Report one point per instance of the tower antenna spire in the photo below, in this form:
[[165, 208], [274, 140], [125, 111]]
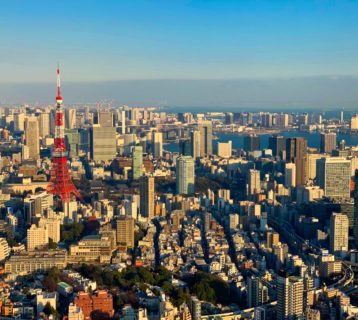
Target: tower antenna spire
[[59, 96]]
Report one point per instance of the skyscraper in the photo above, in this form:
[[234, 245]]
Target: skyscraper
[[289, 297], [251, 143], [185, 147], [105, 118], [225, 149], [253, 182], [19, 121], [122, 114], [257, 293], [137, 162], [44, 124], [195, 143], [70, 118], [185, 175], [290, 175], [157, 144], [125, 231], [32, 137], [266, 120], [328, 142], [296, 152], [339, 233], [334, 176], [206, 138], [37, 237], [147, 189], [278, 146], [103, 143]]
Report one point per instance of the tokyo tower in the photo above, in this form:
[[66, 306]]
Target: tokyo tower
[[60, 183]]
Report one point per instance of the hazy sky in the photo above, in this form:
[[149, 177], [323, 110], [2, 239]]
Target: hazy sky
[[169, 39]]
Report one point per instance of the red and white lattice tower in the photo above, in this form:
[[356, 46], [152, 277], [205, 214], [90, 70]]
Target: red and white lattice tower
[[60, 183]]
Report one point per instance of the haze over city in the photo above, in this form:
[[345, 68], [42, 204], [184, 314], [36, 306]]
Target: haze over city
[[280, 54]]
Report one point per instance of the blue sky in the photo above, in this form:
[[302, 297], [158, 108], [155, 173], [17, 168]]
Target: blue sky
[[169, 39]]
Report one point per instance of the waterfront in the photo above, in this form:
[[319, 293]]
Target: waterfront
[[313, 139]]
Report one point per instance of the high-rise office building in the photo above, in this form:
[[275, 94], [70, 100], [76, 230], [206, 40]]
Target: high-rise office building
[[125, 231], [281, 120], [257, 293], [272, 239], [44, 124], [52, 224], [266, 120], [122, 114], [278, 146], [334, 176], [157, 144], [137, 162], [185, 175], [225, 149], [296, 152], [311, 166], [32, 137], [289, 297], [37, 237], [105, 118], [147, 189], [206, 138], [70, 118], [341, 116], [19, 121], [354, 122], [195, 143], [290, 175], [253, 182], [103, 143], [339, 233], [251, 143], [328, 142], [185, 147], [229, 118]]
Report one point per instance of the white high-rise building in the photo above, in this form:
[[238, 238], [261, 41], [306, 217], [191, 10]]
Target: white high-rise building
[[334, 176], [289, 297], [19, 121], [157, 144], [339, 231], [70, 118], [185, 175], [44, 124], [195, 143], [290, 175], [52, 225], [253, 182], [225, 149], [37, 237], [32, 137], [122, 114], [4, 249]]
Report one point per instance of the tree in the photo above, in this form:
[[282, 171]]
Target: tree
[[48, 309], [52, 245]]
